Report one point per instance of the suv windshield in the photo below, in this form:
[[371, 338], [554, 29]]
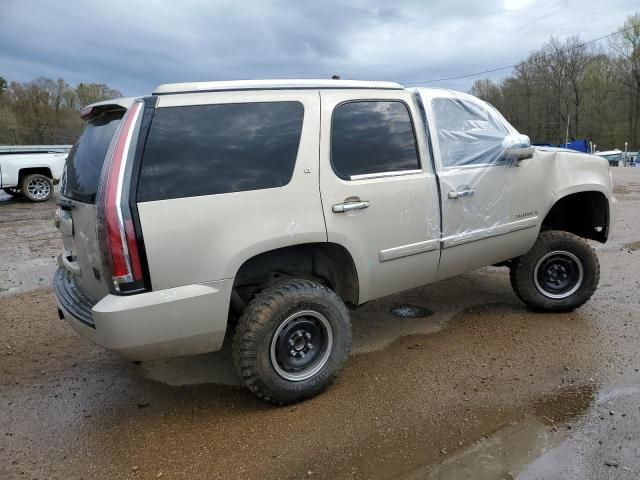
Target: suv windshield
[[84, 163]]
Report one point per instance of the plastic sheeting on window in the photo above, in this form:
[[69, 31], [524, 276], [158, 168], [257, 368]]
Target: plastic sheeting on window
[[467, 133], [475, 150]]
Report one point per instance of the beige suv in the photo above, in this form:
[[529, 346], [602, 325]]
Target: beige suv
[[264, 208]]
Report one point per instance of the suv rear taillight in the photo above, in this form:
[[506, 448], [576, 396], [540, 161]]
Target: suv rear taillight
[[116, 234]]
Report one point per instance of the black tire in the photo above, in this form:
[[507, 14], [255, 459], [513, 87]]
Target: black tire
[[37, 187], [270, 322], [14, 192], [559, 273]]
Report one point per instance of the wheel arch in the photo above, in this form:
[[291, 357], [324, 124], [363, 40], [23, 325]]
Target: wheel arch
[[582, 212], [330, 263], [23, 172]]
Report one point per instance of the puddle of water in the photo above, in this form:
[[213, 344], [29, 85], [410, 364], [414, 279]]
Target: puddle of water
[[209, 368], [500, 456], [564, 405], [609, 395], [410, 311], [504, 454]]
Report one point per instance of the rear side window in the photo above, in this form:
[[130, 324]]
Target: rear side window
[[372, 137], [212, 149], [84, 163]]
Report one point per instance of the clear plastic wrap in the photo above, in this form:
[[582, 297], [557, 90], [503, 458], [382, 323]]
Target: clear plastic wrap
[[475, 151], [467, 134]]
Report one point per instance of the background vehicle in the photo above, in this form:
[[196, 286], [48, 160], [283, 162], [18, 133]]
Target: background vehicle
[[614, 157], [32, 170], [271, 206], [632, 159]]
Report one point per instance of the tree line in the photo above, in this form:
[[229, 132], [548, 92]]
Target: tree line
[[46, 111], [595, 89]]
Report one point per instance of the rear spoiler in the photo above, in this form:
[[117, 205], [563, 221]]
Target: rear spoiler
[[96, 110]]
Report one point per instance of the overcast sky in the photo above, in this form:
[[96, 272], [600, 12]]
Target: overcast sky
[[135, 45]]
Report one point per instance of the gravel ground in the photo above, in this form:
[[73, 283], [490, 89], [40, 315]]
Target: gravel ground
[[482, 388]]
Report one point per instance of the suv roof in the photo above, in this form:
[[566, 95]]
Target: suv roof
[[272, 85]]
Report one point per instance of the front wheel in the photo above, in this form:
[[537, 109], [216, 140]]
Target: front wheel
[[291, 341], [559, 273]]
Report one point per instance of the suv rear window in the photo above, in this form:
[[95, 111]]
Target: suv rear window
[[221, 148], [84, 163]]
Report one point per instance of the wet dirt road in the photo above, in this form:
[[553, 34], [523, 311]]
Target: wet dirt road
[[480, 389]]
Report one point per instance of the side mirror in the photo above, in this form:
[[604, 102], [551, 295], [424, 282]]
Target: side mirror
[[517, 147]]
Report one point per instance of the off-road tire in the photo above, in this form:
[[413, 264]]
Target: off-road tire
[[46, 185], [256, 329], [523, 272], [14, 192]]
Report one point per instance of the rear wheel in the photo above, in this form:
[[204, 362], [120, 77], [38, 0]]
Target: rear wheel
[[37, 187], [559, 273], [14, 192], [291, 341]]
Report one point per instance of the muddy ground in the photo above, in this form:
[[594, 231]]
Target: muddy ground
[[481, 389]]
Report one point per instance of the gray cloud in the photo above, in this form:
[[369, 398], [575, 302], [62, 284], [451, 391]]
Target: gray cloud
[[134, 46]]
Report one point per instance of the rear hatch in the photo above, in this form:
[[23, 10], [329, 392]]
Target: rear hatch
[[78, 192]]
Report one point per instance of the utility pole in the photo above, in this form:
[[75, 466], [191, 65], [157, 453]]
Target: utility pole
[[566, 139], [626, 155]]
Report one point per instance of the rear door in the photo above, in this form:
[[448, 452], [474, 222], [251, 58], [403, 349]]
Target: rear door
[[78, 191], [379, 194]]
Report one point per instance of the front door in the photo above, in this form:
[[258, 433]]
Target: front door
[[378, 191], [489, 206]]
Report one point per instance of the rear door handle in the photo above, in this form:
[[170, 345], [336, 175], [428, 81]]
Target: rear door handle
[[348, 206], [465, 192]]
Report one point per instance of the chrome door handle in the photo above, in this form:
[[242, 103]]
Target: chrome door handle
[[467, 192], [348, 206]]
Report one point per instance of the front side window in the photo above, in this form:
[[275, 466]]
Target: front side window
[[222, 148], [468, 134], [372, 136]]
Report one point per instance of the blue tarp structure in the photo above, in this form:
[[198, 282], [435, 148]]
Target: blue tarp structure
[[578, 145]]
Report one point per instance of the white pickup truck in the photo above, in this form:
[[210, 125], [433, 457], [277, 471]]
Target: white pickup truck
[[32, 170]]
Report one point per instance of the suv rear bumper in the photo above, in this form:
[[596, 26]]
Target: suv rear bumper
[[71, 298], [179, 321]]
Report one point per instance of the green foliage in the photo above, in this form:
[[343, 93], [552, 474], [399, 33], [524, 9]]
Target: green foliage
[[46, 111], [597, 90]]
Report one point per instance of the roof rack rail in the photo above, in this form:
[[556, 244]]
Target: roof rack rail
[[293, 84]]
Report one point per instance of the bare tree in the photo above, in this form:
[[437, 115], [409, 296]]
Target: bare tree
[[46, 110], [597, 89], [626, 46], [487, 90]]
